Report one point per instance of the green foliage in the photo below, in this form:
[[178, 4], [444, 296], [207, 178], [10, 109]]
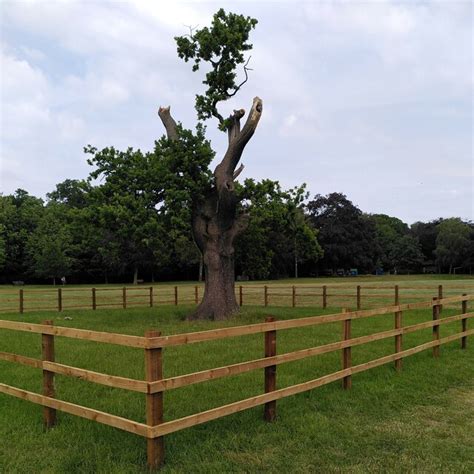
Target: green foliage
[[20, 214], [278, 231], [346, 235], [143, 208], [49, 247], [398, 250], [453, 243], [405, 254], [221, 46]]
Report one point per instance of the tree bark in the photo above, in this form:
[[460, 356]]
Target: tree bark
[[135, 276], [216, 221]]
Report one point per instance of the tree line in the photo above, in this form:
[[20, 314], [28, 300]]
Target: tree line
[[121, 230]]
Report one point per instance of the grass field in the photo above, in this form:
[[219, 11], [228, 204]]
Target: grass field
[[375, 291], [419, 420]]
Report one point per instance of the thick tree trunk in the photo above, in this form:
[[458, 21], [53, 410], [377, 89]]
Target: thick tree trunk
[[216, 221], [201, 268], [219, 300]]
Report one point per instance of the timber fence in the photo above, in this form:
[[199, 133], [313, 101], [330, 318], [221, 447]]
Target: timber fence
[[155, 384], [324, 296]]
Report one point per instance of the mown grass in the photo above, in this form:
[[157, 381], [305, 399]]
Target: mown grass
[[419, 420], [376, 291]]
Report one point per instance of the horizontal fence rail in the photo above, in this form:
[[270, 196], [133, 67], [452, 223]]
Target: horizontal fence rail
[[155, 384], [324, 296]]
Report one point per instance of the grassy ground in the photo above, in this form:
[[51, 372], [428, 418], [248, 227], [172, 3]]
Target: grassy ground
[[376, 291], [419, 420]]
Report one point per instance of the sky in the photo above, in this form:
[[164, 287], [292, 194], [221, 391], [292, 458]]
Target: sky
[[373, 99]]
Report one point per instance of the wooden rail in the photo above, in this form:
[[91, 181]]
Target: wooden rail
[[333, 295], [155, 384]]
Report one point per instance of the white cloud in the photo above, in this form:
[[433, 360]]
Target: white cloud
[[356, 93]]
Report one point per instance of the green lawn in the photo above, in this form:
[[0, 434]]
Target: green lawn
[[376, 291], [419, 420]]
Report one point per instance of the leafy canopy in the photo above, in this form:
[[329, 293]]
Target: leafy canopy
[[222, 46]]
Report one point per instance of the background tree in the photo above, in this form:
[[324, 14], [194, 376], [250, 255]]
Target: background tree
[[277, 233], [20, 214], [453, 244], [426, 234], [49, 247], [347, 236]]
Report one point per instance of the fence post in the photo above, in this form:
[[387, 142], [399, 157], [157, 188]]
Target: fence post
[[176, 296], [398, 340], [60, 300], [358, 298], [440, 296], [124, 297], [397, 296], [436, 311], [325, 297], [154, 403], [196, 294], [265, 295], [293, 296], [347, 351], [21, 301], [464, 323], [47, 352], [94, 299], [241, 296], [270, 371], [151, 297]]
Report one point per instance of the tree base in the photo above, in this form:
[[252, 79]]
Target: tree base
[[213, 311]]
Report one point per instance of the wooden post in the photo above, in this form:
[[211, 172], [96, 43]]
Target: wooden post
[[241, 296], [440, 296], [60, 300], [124, 297], [397, 295], [436, 311], [293, 297], [270, 372], [176, 296], [154, 403], [325, 297], [358, 298], [346, 352], [21, 301], [398, 340], [151, 297], [94, 299], [196, 294], [464, 324], [47, 350], [265, 295]]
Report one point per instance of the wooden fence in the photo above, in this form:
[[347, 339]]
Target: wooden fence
[[154, 385], [324, 296]]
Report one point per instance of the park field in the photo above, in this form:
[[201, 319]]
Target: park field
[[374, 291], [418, 420]]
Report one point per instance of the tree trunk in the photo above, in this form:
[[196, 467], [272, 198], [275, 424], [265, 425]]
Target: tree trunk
[[216, 221], [219, 299], [135, 276], [201, 268]]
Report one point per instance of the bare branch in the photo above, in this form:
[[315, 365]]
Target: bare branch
[[246, 69], [168, 122], [238, 171], [191, 30]]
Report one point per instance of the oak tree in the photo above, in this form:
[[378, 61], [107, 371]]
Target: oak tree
[[216, 220]]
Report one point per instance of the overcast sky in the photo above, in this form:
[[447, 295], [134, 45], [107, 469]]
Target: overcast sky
[[373, 99]]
